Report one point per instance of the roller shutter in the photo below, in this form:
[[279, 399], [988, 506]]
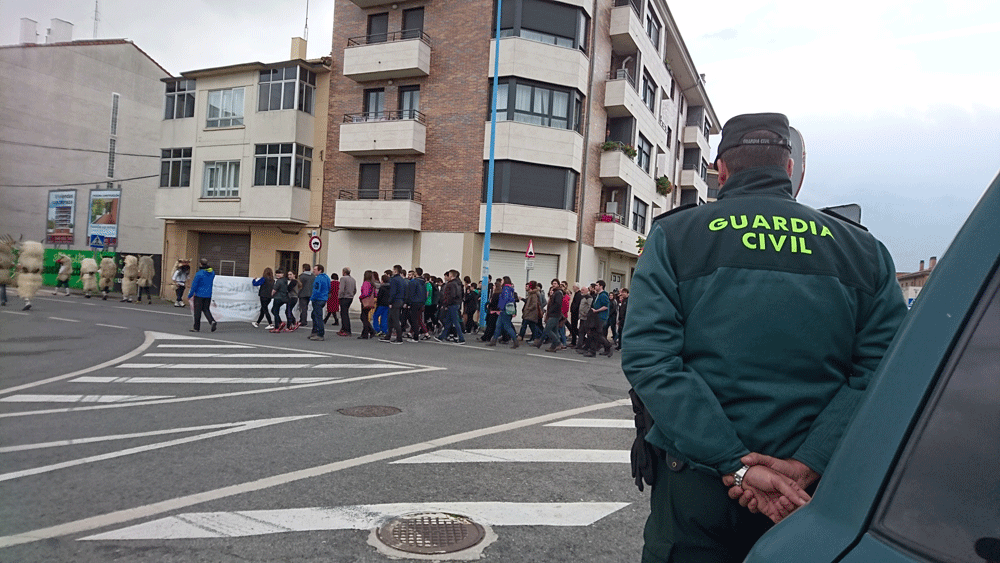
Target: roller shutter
[[508, 263], [229, 255]]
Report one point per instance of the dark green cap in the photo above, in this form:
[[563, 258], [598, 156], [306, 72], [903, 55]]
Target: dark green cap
[[737, 127]]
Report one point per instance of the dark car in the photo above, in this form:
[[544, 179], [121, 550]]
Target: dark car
[[917, 475]]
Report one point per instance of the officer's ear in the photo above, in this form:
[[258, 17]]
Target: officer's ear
[[789, 166], [723, 170]]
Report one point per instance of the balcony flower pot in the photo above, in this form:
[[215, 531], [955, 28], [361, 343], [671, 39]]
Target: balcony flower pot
[[606, 218], [629, 150], [663, 185]]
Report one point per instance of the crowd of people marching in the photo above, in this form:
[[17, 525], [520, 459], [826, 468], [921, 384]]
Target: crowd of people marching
[[402, 305]]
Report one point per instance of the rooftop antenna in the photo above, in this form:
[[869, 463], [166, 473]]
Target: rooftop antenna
[[97, 16], [305, 32]]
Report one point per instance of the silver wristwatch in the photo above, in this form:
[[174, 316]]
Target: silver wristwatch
[[738, 476]]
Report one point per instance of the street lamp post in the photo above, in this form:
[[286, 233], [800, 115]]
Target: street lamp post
[[483, 293]]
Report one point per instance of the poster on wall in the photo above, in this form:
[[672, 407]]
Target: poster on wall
[[60, 220], [104, 208]]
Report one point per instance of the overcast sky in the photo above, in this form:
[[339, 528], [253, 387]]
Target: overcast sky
[[898, 100]]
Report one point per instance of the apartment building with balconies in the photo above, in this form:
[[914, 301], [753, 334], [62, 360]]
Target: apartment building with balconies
[[241, 148], [600, 113]]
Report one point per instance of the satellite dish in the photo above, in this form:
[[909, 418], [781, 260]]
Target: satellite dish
[[798, 160]]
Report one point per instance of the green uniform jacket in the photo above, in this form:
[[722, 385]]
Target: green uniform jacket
[[755, 324]]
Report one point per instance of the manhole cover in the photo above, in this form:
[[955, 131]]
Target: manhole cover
[[431, 533], [369, 411]]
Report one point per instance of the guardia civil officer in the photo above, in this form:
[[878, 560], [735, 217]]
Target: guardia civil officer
[[754, 328]]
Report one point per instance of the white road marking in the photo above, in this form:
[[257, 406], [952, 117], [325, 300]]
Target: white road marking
[[253, 366], [170, 505], [209, 380], [81, 398], [15, 313], [557, 357], [213, 346], [595, 423], [362, 517], [223, 355], [521, 455], [75, 441], [64, 320], [248, 425], [144, 310], [112, 326]]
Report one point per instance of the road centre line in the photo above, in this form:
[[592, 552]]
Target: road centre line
[[213, 346], [15, 313], [247, 523], [64, 320], [594, 423], [75, 441], [199, 380], [521, 456], [134, 308], [223, 355], [248, 425], [555, 357], [161, 507], [113, 326], [81, 398]]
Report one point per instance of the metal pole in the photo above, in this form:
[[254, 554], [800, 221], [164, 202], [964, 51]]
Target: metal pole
[[484, 294]]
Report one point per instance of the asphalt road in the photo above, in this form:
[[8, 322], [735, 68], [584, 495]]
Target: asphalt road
[[125, 437]]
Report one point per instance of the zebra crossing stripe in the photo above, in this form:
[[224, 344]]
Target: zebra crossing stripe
[[208, 380], [237, 355], [361, 517], [521, 456], [255, 366], [28, 398], [594, 423]]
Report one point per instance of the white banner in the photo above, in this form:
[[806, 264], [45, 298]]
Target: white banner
[[234, 299]]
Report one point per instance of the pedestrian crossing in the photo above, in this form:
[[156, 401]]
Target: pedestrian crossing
[[178, 368], [490, 509]]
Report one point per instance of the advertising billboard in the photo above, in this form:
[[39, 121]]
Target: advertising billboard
[[104, 208], [60, 221]]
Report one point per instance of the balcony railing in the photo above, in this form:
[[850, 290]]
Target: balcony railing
[[622, 74], [702, 170], [634, 3], [397, 115], [612, 218], [404, 35], [376, 194]]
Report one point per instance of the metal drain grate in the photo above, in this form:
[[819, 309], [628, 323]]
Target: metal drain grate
[[431, 533], [369, 411]]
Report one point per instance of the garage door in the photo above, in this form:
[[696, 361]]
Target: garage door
[[229, 255], [508, 263]]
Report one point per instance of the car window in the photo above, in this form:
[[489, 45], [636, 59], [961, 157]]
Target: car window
[[944, 500]]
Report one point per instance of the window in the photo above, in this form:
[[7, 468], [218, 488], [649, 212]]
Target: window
[[413, 23], [670, 136], [114, 113], [222, 179], [225, 108], [303, 166], [111, 158], [374, 104], [538, 104], [288, 261], [175, 168], [532, 184], [378, 28], [943, 499], [639, 209], [281, 88], [368, 181], [404, 181], [180, 99], [649, 91], [273, 165], [409, 102], [653, 26], [544, 21], [645, 151]]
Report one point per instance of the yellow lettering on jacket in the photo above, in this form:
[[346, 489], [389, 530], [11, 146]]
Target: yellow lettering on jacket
[[733, 222], [718, 224], [780, 224], [759, 222], [749, 242], [755, 239], [799, 226]]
